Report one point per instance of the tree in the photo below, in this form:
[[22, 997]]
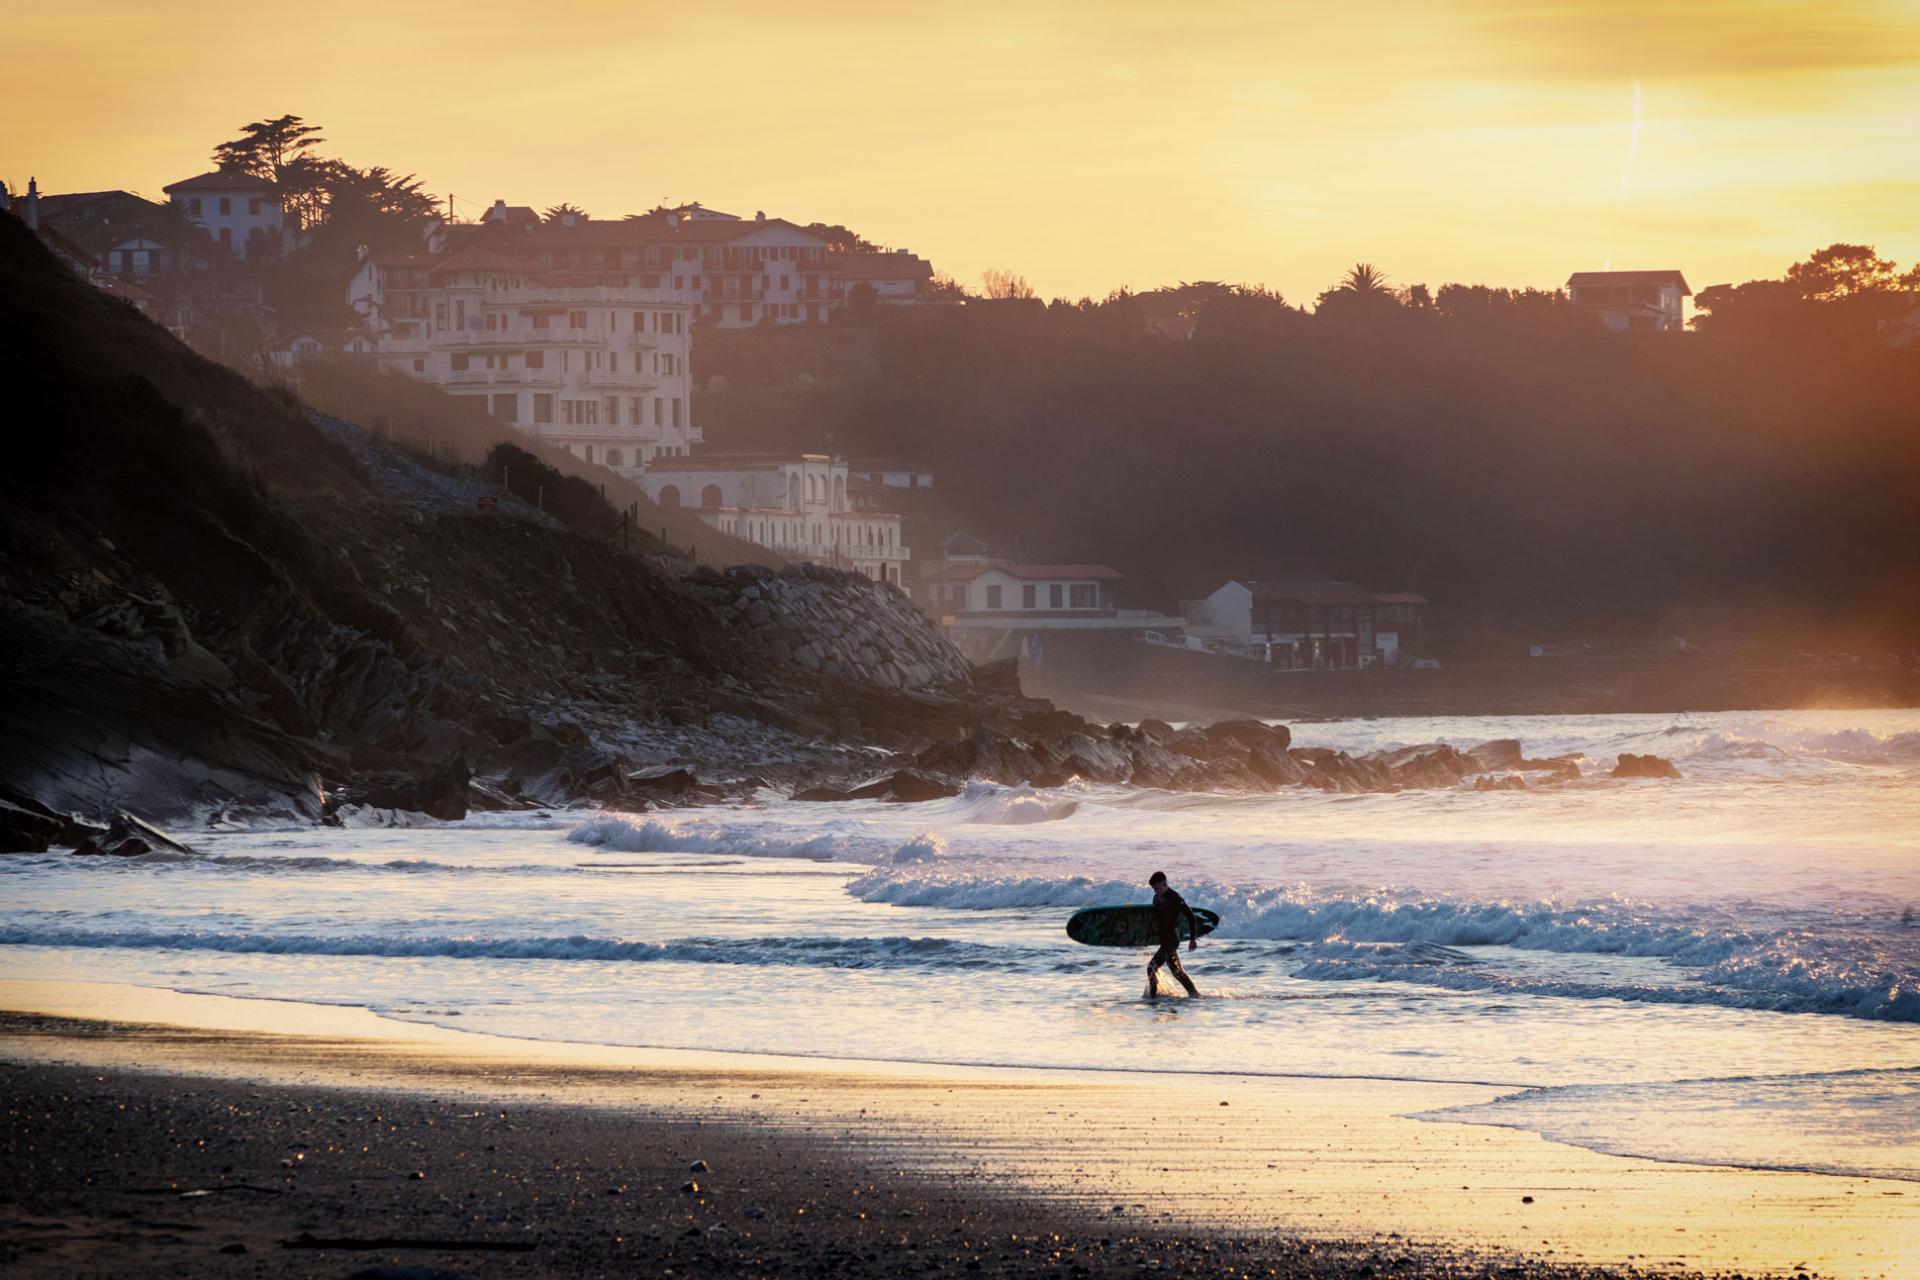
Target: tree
[[266, 148], [841, 240], [1843, 271], [998, 283], [560, 212], [944, 288]]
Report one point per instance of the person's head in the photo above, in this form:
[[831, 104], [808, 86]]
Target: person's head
[[1157, 881]]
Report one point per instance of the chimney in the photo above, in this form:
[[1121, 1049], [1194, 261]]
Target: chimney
[[33, 204], [759, 215]]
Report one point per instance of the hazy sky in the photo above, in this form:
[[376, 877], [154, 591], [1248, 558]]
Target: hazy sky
[[1086, 146]]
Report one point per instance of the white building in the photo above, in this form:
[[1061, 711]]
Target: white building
[[997, 608], [240, 212], [892, 473], [795, 504], [597, 364], [897, 278], [1633, 301]]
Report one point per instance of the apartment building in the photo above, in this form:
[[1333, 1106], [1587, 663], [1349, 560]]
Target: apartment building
[[595, 362], [795, 504]]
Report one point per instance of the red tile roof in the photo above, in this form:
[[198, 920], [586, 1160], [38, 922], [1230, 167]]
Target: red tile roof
[[1583, 279], [1312, 592], [881, 266], [219, 180]]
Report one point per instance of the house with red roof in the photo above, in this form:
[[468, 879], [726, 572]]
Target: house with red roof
[[241, 213], [1633, 301]]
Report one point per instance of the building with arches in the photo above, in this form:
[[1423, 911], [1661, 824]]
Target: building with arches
[[597, 363], [795, 504]]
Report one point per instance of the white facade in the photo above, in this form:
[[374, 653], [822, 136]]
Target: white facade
[[793, 504], [241, 213], [1633, 301], [601, 370], [1225, 616], [1031, 594]]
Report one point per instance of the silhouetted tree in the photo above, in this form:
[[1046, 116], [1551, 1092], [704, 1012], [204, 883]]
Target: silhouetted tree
[[559, 211], [998, 283]]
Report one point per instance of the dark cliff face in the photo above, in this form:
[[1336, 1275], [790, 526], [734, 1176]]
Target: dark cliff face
[[211, 596]]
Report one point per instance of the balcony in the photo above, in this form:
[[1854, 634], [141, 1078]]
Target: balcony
[[612, 435], [605, 378]]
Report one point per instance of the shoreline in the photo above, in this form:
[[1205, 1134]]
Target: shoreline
[[1315, 1172]]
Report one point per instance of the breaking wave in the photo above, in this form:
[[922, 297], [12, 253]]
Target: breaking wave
[[1857, 966]]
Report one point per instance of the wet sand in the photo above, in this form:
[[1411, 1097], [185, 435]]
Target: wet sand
[[148, 1131]]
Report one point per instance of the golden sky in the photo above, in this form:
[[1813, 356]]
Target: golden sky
[[1086, 146]]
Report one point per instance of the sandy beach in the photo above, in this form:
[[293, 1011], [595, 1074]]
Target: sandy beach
[[151, 1132]]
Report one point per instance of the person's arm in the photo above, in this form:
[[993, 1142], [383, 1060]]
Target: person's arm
[[1193, 925]]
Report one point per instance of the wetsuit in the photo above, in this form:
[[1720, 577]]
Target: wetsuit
[[1167, 909]]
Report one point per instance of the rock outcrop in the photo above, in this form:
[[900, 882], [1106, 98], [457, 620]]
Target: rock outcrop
[[1632, 766], [837, 624]]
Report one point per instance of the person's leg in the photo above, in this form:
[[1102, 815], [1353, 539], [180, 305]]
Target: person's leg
[[1160, 957], [1173, 966]]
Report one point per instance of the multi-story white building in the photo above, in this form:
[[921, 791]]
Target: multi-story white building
[[795, 504], [1633, 301], [240, 212], [596, 363]]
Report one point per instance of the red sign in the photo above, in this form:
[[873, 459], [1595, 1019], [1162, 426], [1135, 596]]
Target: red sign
[[488, 502]]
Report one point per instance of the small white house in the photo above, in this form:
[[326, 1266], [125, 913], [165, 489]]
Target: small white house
[[240, 212], [1633, 301]]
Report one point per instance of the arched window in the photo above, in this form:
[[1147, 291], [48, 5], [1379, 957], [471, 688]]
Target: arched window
[[670, 497], [614, 458], [793, 490], [710, 496]]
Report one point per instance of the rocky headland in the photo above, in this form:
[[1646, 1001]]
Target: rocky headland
[[218, 605]]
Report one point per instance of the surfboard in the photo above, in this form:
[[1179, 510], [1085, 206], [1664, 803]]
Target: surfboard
[[1130, 926]]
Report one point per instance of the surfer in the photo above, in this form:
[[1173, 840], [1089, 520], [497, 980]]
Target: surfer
[[1167, 908]]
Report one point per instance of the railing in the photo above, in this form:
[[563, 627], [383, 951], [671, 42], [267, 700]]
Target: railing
[[616, 435]]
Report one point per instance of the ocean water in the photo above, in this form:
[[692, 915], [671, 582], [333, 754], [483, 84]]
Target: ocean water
[[1723, 969]]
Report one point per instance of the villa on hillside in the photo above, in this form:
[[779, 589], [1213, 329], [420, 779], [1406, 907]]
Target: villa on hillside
[[239, 211], [797, 504], [1633, 301], [597, 363]]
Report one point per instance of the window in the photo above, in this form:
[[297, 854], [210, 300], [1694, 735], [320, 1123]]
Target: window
[[505, 408], [993, 597], [536, 359], [459, 362], [226, 205], [542, 407], [576, 319], [459, 313], [193, 206], [613, 411], [1083, 596], [676, 413], [589, 453], [614, 458], [1029, 597], [253, 206], [659, 415], [634, 409], [419, 366], [540, 320], [1056, 596]]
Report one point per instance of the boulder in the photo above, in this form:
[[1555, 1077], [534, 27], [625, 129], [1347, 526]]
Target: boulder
[[672, 786], [1247, 734], [905, 786], [1275, 767], [1494, 756], [1432, 765], [1505, 782], [1632, 766], [128, 836], [1191, 743], [1154, 730], [24, 831], [439, 793]]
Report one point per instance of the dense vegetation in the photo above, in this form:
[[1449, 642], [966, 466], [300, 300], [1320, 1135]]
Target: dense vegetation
[[1497, 450]]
